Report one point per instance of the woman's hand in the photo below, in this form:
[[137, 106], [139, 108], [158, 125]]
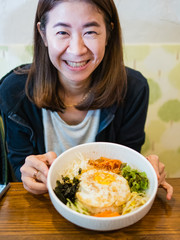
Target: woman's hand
[[34, 172], [161, 175]]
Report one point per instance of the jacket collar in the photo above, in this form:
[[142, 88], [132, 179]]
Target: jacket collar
[[107, 115]]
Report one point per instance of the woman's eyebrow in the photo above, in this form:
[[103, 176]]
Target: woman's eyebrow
[[91, 24], [61, 24], [86, 25]]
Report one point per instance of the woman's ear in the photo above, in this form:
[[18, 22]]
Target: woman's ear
[[42, 33]]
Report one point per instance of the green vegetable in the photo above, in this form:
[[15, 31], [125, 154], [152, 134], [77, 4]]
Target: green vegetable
[[66, 189], [138, 181], [77, 206]]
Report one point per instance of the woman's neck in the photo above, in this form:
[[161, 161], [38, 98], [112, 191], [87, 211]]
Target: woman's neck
[[73, 94]]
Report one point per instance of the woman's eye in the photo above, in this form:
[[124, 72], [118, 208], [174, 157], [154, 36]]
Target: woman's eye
[[62, 33], [91, 33]]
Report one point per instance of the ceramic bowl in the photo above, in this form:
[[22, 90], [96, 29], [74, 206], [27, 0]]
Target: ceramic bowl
[[94, 151]]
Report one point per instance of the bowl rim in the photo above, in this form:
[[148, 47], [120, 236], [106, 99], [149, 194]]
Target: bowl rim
[[127, 215]]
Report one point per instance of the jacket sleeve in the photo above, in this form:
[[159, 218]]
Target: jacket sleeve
[[18, 144], [22, 121]]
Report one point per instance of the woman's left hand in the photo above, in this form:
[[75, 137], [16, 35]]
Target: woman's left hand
[[159, 167]]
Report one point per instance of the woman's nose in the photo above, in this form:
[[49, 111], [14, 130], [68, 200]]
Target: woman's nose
[[77, 46]]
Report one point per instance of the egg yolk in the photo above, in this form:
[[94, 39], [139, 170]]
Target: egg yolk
[[103, 178]]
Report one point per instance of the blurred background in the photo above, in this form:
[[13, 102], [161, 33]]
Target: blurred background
[[151, 37]]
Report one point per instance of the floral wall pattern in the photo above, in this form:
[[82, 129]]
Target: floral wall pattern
[[160, 64]]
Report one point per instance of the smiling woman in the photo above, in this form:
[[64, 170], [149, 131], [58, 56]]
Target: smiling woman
[[77, 90], [75, 48]]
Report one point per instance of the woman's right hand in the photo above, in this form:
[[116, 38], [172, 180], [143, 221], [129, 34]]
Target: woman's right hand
[[35, 170]]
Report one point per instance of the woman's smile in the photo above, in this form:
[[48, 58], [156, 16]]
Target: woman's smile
[[77, 65]]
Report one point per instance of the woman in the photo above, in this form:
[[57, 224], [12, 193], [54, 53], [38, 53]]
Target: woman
[[76, 90]]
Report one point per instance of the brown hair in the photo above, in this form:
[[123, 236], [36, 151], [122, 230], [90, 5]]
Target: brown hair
[[108, 84]]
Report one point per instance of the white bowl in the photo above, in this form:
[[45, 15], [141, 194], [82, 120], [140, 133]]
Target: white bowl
[[94, 151]]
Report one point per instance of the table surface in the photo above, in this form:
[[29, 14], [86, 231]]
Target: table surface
[[26, 216]]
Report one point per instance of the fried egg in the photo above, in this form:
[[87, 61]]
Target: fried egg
[[100, 190]]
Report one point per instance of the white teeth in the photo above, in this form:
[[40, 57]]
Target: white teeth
[[76, 64]]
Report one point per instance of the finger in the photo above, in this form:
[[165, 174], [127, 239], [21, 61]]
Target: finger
[[49, 158], [161, 167], [28, 171], [33, 186], [39, 176], [36, 162], [33, 173], [154, 160], [169, 189], [162, 178]]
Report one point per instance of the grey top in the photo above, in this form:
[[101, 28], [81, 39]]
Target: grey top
[[59, 136]]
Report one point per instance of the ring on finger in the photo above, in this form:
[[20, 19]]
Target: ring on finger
[[35, 174]]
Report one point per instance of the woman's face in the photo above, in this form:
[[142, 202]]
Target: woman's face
[[76, 40]]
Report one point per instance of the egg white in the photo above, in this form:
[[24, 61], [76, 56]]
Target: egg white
[[101, 190]]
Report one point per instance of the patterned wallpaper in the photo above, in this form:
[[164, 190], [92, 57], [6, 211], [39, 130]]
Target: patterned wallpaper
[[160, 64]]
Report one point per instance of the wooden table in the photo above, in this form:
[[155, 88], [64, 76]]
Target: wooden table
[[26, 216]]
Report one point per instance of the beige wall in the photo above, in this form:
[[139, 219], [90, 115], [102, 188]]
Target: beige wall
[[143, 21]]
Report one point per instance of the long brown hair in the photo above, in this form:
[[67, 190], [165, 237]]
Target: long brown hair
[[108, 85]]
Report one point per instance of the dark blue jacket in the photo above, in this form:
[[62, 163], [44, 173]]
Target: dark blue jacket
[[122, 124]]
